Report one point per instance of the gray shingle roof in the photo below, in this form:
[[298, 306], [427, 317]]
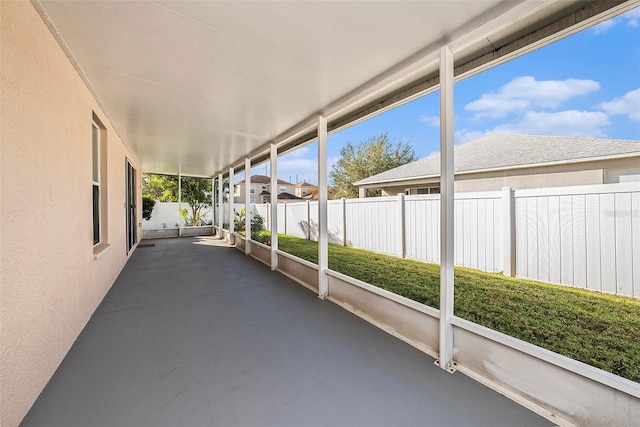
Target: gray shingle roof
[[503, 151]]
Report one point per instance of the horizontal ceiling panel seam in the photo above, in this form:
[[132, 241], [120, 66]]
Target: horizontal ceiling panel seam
[[152, 82], [236, 38]]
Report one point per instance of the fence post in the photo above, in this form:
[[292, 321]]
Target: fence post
[[343, 203], [285, 218], [508, 234], [402, 249], [308, 219]]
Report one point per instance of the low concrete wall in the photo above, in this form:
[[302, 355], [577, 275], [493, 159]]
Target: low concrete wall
[[562, 389], [261, 252], [205, 230], [160, 233], [406, 319], [240, 242], [300, 270], [222, 233]]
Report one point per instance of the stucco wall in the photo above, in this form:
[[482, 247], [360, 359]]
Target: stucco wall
[[586, 173], [50, 282]]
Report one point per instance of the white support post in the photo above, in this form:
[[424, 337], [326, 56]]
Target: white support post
[[308, 220], [274, 206], [509, 235], [213, 206], [446, 210], [220, 212], [179, 205], [247, 206], [323, 235], [402, 250], [343, 204], [231, 173], [362, 193]]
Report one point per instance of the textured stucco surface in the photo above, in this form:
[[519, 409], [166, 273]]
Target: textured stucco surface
[[50, 283]]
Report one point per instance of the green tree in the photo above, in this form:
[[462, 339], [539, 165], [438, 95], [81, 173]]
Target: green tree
[[372, 156], [160, 187], [196, 192]]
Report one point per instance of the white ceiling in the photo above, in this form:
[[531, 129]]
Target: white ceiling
[[194, 87]]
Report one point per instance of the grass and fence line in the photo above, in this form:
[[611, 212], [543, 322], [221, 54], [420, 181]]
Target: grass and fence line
[[581, 236]]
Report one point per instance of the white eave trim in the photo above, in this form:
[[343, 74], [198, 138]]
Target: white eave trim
[[500, 169]]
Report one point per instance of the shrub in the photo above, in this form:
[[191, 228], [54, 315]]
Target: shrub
[[262, 236], [239, 221], [148, 203]]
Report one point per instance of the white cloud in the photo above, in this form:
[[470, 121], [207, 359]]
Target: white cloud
[[430, 120], [628, 105], [604, 26], [630, 17], [562, 123], [523, 93], [298, 153]]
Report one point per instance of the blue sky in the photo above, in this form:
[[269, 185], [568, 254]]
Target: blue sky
[[585, 85]]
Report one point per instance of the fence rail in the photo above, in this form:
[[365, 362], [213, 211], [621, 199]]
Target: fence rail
[[582, 236]]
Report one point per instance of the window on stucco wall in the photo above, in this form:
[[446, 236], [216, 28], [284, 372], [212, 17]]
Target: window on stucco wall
[[96, 182]]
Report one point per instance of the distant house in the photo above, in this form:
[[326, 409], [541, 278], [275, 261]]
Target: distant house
[[260, 189], [304, 190], [517, 161]]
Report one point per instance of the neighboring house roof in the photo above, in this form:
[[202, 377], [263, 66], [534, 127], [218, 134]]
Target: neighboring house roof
[[509, 151], [305, 184], [281, 196], [288, 196], [263, 179]]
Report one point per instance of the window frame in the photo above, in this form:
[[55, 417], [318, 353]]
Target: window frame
[[95, 184]]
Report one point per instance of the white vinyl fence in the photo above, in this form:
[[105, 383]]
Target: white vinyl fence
[[167, 215], [237, 207], [583, 236], [587, 237]]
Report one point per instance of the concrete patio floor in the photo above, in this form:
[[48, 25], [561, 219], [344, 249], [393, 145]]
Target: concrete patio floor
[[195, 333]]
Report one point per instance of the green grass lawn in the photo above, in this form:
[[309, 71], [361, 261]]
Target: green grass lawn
[[599, 329]]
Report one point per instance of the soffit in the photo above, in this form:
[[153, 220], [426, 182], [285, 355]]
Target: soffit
[[194, 87]]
